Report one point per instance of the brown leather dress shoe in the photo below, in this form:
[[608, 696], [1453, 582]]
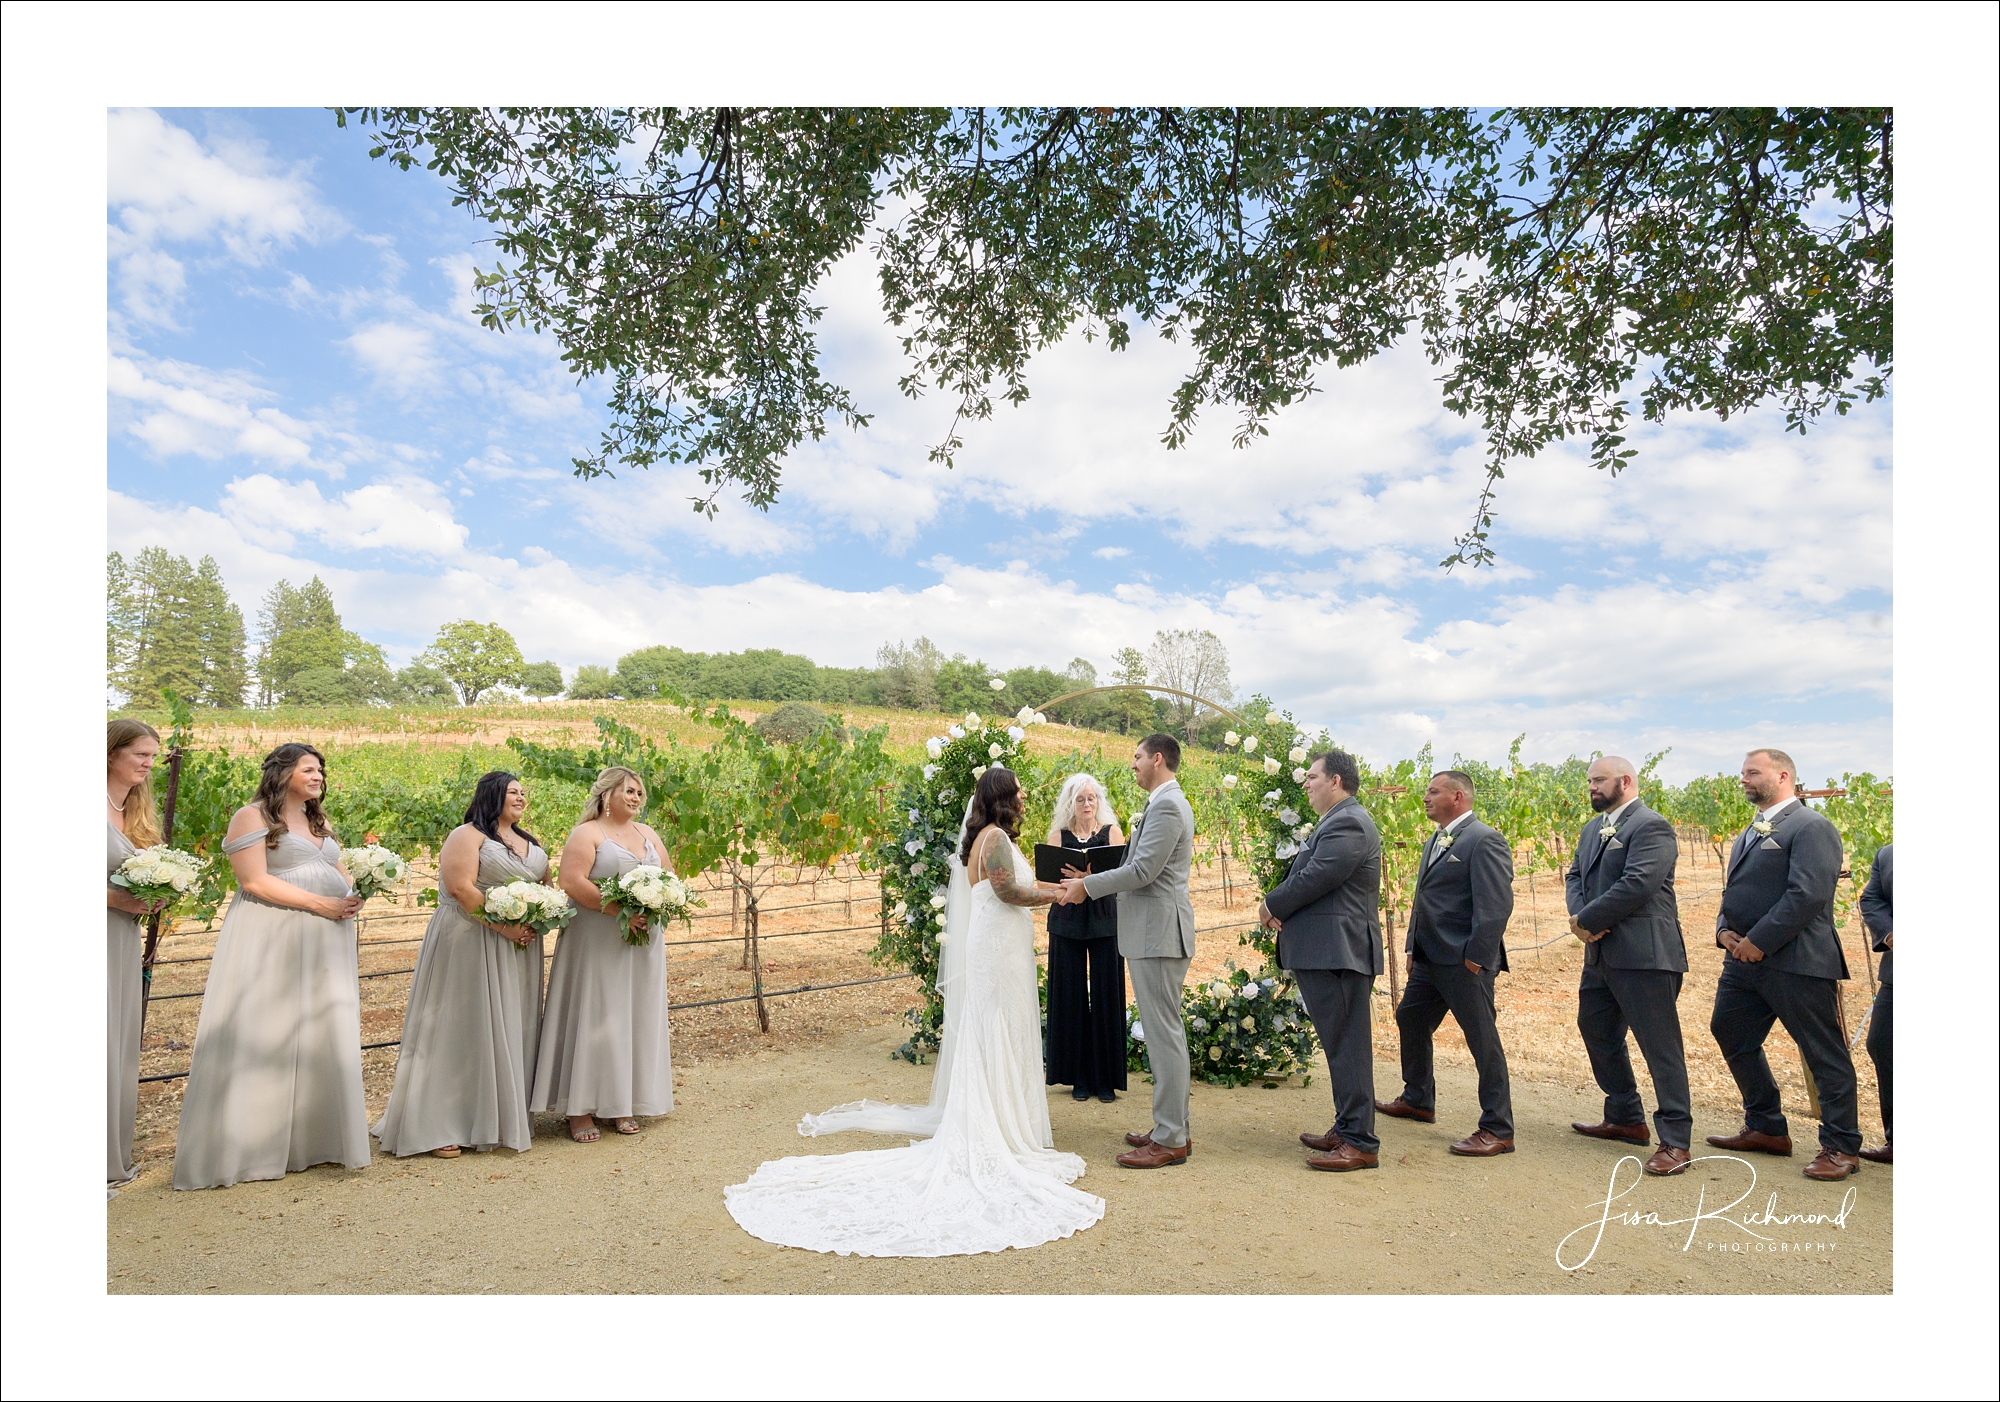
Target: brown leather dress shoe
[[1344, 1158], [1140, 1141], [1481, 1144], [1150, 1155], [1881, 1155], [1630, 1134], [1749, 1140], [1667, 1162], [1831, 1166], [1325, 1143], [1403, 1110]]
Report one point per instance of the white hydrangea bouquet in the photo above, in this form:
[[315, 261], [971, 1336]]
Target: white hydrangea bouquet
[[543, 909], [373, 869], [658, 893], [160, 875]]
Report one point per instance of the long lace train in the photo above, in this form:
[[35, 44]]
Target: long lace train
[[987, 1177]]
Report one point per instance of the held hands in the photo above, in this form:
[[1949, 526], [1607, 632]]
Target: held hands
[[1470, 967], [1268, 920], [339, 907], [131, 905], [1740, 948], [1586, 936], [1072, 891], [1889, 940], [517, 935]]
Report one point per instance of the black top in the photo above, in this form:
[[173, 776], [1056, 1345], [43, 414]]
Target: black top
[[1094, 919]]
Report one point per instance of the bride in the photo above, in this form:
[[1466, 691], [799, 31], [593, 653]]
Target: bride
[[986, 1177]]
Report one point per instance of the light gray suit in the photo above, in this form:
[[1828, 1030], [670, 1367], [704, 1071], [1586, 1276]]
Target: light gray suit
[[1156, 936]]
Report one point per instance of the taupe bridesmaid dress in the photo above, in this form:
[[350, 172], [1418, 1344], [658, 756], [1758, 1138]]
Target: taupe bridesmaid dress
[[604, 1028], [275, 1084], [124, 953], [468, 1055]]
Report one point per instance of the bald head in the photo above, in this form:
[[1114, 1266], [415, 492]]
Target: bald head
[[1613, 783]]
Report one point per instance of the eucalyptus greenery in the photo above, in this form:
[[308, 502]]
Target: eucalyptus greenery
[[1547, 258]]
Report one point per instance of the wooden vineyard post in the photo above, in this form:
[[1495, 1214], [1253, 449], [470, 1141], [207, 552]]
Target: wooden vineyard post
[[1389, 950], [153, 925], [757, 970], [736, 921]]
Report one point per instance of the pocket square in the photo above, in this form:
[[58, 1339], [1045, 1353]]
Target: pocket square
[[1769, 844], [1448, 857], [1616, 843]]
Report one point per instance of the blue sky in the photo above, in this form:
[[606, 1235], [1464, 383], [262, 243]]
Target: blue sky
[[296, 387]]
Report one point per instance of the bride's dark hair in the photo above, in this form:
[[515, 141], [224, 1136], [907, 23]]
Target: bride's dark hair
[[996, 802]]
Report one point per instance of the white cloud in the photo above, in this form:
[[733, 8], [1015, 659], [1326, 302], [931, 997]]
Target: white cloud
[[1111, 552], [164, 187], [407, 516]]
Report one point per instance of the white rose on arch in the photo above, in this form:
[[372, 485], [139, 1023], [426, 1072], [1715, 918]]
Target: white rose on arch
[[1271, 765], [1229, 781], [977, 770], [997, 683], [972, 721], [1041, 719], [1231, 738], [930, 772], [1250, 744], [957, 732], [1298, 776], [1016, 734], [994, 751], [1298, 754]]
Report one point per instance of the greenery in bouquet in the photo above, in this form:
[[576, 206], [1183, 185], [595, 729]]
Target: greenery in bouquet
[[652, 891], [915, 861], [373, 869], [160, 876], [541, 908]]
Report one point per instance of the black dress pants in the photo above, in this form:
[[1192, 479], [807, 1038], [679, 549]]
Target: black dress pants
[[1086, 1014], [1433, 991], [1608, 1002], [1881, 1051], [1748, 999]]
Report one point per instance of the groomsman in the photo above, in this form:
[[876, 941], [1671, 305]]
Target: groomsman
[[1878, 915], [1330, 939], [1785, 965], [1620, 893], [1456, 947]]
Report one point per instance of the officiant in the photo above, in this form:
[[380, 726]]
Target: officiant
[[1086, 1045]]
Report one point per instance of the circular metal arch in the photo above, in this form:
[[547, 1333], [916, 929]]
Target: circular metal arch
[[1134, 686]]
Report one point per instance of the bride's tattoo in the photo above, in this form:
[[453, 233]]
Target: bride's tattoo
[[998, 865]]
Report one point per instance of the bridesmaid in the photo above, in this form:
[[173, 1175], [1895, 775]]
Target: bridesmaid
[[604, 1033], [1086, 974], [468, 1055], [131, 746], [275, 1085]]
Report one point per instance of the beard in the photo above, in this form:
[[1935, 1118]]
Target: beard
[[1598, 803], [1761, 795]]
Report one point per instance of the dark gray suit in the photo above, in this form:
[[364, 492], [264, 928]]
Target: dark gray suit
[[1463, 900], [1332, 943], [1624, 885], [1878, 913], [1780, 897]]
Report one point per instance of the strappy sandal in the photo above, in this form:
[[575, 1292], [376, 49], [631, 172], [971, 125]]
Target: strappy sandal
[[449, 1151], [587, 1134], [625, 1124]]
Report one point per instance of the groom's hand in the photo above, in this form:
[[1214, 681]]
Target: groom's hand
[[1073, 892], [1266, 919]]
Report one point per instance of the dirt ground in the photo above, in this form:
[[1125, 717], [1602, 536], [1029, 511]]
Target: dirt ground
[[1245, 1216]]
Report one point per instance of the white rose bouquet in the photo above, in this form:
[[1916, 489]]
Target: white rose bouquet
[[649, 890], [374, 870], [159, 875], [543, 909]]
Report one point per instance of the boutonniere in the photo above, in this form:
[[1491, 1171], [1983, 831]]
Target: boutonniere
[[1445, 840], [1762, 827], [1607, 832]]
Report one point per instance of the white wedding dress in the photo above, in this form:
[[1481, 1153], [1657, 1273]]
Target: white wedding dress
[[988, 1177]]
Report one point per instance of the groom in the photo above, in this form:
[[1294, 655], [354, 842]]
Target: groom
[[1156, 936]]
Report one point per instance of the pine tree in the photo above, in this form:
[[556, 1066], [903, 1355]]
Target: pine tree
[[298, 630], [120, 631], [167, 652], [220, 621]]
